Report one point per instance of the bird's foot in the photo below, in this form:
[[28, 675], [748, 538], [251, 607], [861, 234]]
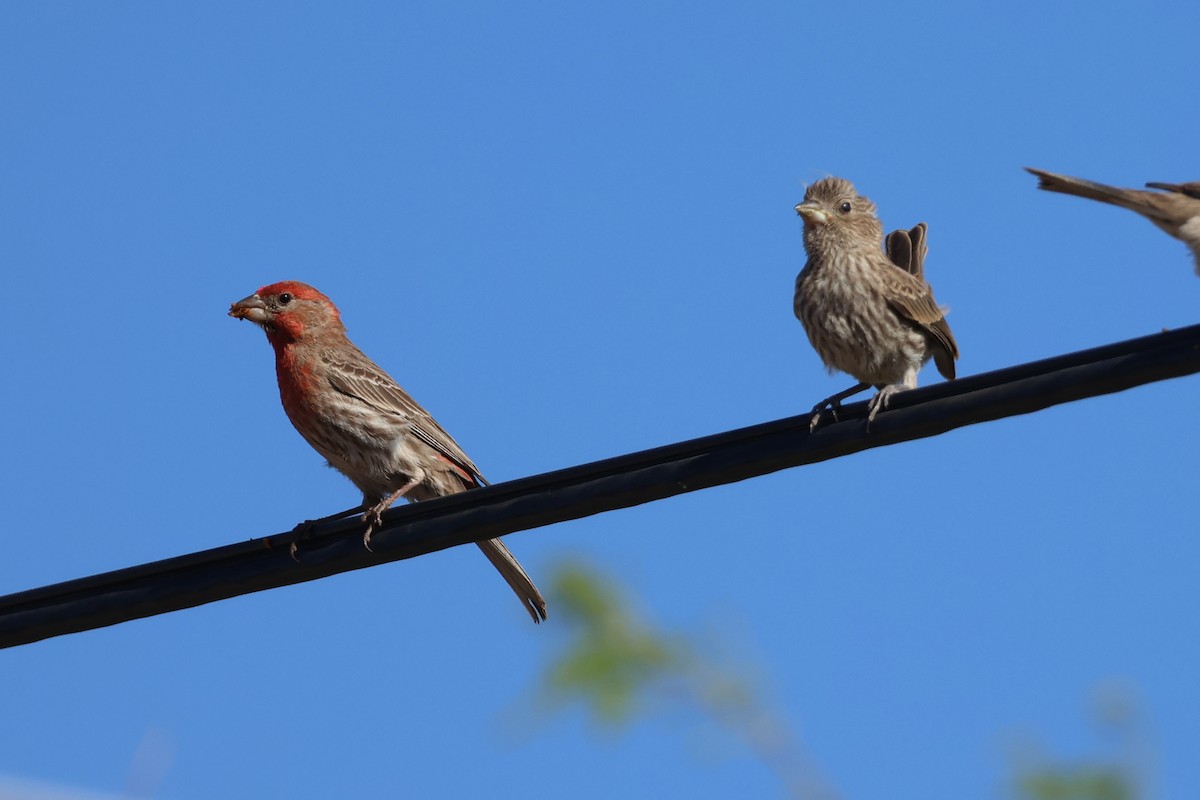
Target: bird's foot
[[880, 401], [373, 519], [833, 405], [302, 532], [304, 529]]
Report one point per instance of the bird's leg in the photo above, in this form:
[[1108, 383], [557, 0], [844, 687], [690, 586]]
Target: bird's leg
[[881, 399], [374, 517], [833, 403], [338, 515], [303, 528]]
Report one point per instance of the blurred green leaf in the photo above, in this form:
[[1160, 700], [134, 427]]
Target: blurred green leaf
[[1112, 776], [618, 666], [1082, 783], [613, 658]]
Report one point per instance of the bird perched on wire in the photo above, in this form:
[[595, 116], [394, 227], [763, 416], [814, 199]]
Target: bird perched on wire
[[1175, 209], [361, 421], [864, 313]]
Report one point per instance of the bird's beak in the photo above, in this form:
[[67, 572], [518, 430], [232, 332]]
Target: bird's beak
[[812, 213], [251, 308]]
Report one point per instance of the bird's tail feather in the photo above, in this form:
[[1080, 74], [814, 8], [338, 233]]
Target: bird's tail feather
[[514, 574], [1080, 187]]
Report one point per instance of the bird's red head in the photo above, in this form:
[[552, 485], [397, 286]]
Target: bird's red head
[[287, 311]]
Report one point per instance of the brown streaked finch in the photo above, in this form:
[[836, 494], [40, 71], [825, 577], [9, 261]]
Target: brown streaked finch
[[1175, 210], [907, 250], [361, 421], [865, 314]]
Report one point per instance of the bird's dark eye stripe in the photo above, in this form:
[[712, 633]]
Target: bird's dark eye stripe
[[285, 298]]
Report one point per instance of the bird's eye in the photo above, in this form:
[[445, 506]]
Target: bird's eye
[[284, 299], [844, 207]]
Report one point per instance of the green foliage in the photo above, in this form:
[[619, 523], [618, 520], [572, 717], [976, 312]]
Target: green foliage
[[619, 668], [1076, 783], [614, 659], [1113, 776]]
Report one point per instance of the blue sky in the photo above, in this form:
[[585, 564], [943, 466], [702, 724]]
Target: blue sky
[[567, 229]]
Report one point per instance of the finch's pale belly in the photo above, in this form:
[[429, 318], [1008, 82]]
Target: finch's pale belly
[[857, 332], [378, 453]]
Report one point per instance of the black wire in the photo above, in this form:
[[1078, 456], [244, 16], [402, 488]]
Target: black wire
[[491, 511]]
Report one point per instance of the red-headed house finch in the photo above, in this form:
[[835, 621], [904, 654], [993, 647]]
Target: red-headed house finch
[[361, 421], [1175, 210], [863, 314]]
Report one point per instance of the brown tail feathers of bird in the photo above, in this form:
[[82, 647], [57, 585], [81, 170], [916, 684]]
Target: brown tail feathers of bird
[[508, 567]]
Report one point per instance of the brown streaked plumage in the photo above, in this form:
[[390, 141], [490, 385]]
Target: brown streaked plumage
[[361, 421], [865, 314], [1175, 210]]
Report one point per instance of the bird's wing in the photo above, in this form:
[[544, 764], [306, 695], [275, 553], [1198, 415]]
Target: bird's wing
[[920, 247], [1158, 207], [360, 377], [912, 299], [1191, 189], [899, 249], [1169, 210], [907, 250], [1081, 187]]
